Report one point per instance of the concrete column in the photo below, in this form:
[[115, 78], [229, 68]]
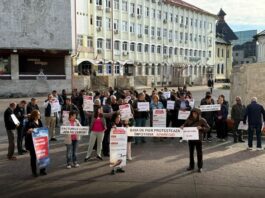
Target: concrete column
[[68, 67], [14, 66]]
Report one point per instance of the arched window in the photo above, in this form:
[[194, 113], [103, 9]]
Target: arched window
[[100, 67], [117, 68], [108, 68]]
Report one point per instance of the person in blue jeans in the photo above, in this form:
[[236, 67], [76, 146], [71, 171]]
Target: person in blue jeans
[[140, 117], [254, 113]]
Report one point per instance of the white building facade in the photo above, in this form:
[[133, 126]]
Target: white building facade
[[159, 40], [261, 46]]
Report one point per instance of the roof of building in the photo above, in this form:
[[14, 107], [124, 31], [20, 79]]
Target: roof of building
[[221, 13], [222, 28], [220, 40], [260, 34], [186, 5]]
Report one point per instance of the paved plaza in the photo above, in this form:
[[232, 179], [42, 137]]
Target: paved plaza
[[157, 170]]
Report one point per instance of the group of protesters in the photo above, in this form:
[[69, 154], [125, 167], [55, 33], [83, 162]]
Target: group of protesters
[[106, 115]]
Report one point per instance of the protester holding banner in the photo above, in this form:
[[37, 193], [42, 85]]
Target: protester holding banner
[[34, 122], [98, 127], [10, 126], [20, 113], [71, 142], [141, 111], [237, 114], [182, 107], [50, 119], [195, 120], [220, 120], [208, 116]]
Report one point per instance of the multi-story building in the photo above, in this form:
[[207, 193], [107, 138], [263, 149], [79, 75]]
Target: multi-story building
[[35, 46], [144, 42], [260, 38], [245, 48], [224, 47]]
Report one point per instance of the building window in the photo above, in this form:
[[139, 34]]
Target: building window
[[181, 36], [117, 45], [191, 37], [89, 42], [153, 13], [132, 8], [158, 49], [176, 35], [176, 18], [108, 23], [100, 43], [116, 24], [99, 21], [210, 54], [187, 21], [139, 47], [218, 52], [108, 44], [99, 2], [108, 68], [222, 69], [191, 53], [159, 32], [79, 40], [139, 29], [117, 68], [153, 70], [139, 70], [132, 28], [108, 5], [176, 51], [146, 11], [171, 17], [191, 22], [170, 51], [153, 49], [116, 4], [222, 52], [218, 69], [132, 47], [195, 53], [186, 52], [147, 70], [124, 46], [146, 48], [165, 50], [170, 35], [124, 26], [124, 6], [181, 52], [153, 31], [159, 14], [146, 30], [165, 33], [204, 54], [5, 66], [100, 68], [139, 10]]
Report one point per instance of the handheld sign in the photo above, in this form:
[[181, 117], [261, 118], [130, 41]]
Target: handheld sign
[[125, 111], [15, 120], [167, 94], [154, 132], [78, 130], [159, 118], [207, 108], [143, 106], [65, 116], [170, 105], [190, 133], [242, 126], [183, 115], [55, 105], [88, 104]]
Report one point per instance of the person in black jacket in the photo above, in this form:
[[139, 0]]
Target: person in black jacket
[[32, 105], [69, 106], [34, 122], [20, 113], [10, 127], [50, 117], [254, 113], [220, 120]]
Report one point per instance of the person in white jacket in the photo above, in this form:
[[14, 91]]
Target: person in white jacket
[[71, 142]]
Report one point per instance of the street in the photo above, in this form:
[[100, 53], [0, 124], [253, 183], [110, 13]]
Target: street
[[157, 170]]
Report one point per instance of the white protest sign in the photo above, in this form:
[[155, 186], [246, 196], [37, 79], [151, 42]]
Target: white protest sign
[[154, 132], [159, 118], [242, 126], [191, 103], [190, 133], [15, 120], [143, 106], [183, 115], [55, 105], [118, 147], [167, 94], [206, 108], [170, 105], [79, 130], [65, 116], [88, 104], [125, 111]]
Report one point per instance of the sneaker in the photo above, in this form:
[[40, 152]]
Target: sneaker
[[76, 165], [259, 149], [249, 148], [69, 166], [99, 157], [86, 159]]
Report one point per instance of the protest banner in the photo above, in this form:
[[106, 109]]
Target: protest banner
[[65, 116], [154, 132], [118, 147], [170, 105], [125, 111], [206, 108], [79, 130], [167, 94], [55, 105], [183, 115], [242, 126], [159, 118], [143, 106], [190, 133], [40, 138], [15, 120], [88, 104]]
